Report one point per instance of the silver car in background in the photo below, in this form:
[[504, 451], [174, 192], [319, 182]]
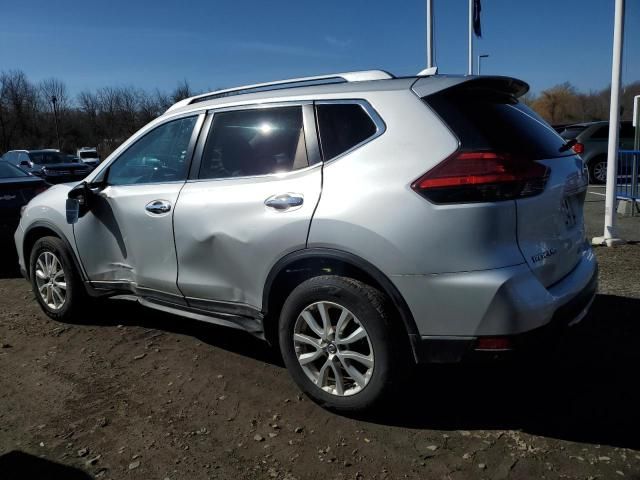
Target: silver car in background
[[360, 222]]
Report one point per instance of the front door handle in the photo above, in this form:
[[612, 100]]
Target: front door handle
[[158, 207], [284, 201]]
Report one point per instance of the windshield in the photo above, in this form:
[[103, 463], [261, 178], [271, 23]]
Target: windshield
[[47, 158], [9, 171], [89, 154]]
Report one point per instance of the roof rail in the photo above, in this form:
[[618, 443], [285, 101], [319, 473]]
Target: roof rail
[[358, 76]]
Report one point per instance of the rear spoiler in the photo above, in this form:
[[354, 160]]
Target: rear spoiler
[[426, 86]]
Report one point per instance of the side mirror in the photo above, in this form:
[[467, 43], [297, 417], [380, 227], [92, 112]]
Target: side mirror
[[79, 200], [26, 163]]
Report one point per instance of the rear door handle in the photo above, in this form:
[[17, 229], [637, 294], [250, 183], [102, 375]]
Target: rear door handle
[[284, 201], [158, 207]]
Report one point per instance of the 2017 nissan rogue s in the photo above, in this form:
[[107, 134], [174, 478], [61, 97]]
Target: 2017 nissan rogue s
[[359, 221]]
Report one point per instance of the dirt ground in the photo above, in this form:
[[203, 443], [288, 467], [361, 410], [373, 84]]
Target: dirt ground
[[133, 393]]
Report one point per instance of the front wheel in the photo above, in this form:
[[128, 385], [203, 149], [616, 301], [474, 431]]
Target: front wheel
[[339, 343], [54, 279]]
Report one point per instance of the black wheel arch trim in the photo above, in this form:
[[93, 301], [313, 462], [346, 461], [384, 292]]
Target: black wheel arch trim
[[62, 236], [338, 255]]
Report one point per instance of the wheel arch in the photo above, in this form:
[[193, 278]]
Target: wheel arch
[[301, 265], [40, 229]]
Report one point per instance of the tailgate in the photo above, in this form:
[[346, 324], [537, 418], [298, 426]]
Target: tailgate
[[550, 225]]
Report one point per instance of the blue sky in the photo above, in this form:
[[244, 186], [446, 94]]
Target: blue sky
[[221, 43]]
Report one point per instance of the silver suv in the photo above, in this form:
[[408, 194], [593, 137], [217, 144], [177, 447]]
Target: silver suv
[[360, 222]]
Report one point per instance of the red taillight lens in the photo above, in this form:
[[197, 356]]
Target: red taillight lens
[[578, 148], [481, 177], [494, 343]]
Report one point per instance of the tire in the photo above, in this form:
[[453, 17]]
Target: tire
[[50, 256], [598, 170], [367, 309]]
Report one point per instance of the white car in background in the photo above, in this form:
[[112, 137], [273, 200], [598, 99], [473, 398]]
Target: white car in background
[[88, 155]]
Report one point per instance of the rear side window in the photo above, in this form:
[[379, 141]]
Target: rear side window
[[487, 120], [343, 126], [602, 133], [252, 142]]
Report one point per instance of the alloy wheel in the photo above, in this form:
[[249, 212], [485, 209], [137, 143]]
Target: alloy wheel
[[333, 348], [50, 280], [600, 171]]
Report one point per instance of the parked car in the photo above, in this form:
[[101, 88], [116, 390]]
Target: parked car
[[53, 166], [592, 140], [16, 189], [361, 222], [89, 155]]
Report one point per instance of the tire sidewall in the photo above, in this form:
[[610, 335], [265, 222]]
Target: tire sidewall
[[57, 247], [348, 294]]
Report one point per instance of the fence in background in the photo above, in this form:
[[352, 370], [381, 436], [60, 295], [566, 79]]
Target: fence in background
[[627, 185]]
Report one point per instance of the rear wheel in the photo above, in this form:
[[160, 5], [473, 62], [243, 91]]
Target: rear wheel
[[598, 170], [339, 344], [54, 279]]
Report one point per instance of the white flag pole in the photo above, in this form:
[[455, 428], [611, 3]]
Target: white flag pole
[[470, 69], [610, 236], [429, 33]]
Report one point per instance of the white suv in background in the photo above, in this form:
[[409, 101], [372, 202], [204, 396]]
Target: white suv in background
[[89, 156]]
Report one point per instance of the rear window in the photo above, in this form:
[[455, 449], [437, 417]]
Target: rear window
[[47, 158], [487, 120], [9, 171], [88, 154], [342, 127], [571, 132]]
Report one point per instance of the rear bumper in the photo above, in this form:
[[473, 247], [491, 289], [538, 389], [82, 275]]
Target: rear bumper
[[511, 304]]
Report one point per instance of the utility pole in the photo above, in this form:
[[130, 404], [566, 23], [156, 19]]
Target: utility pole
[[54, 100], [429, 33], [610, 236], [480, 57], [470, 69]]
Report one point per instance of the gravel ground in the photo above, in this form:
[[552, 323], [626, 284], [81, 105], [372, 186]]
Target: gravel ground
[[133, 393]]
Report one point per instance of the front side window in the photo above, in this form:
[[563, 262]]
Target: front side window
[[342, 127], [252, 142], [158, 157]]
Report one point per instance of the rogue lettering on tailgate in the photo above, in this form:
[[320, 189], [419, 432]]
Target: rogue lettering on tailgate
[[544, 254]]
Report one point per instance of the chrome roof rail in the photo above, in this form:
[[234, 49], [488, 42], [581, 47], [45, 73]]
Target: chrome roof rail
[[358, 76]]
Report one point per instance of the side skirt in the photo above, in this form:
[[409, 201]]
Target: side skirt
[[241, 317]]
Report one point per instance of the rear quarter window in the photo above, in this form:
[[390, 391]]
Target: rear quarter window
[[343, 126]]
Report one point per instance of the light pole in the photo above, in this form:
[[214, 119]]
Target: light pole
[[54, 100], [480, 57]]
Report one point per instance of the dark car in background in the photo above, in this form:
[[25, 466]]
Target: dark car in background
[[53, 166], [17, 187], [592, 140]]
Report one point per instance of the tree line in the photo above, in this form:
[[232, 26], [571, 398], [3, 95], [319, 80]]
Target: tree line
[[105, 117], [564, 104]]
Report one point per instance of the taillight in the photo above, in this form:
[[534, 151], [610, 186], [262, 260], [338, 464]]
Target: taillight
[[482, 176], [578, 148]]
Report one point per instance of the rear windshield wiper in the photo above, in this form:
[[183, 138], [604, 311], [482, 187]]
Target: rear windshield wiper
[[568, 145]]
